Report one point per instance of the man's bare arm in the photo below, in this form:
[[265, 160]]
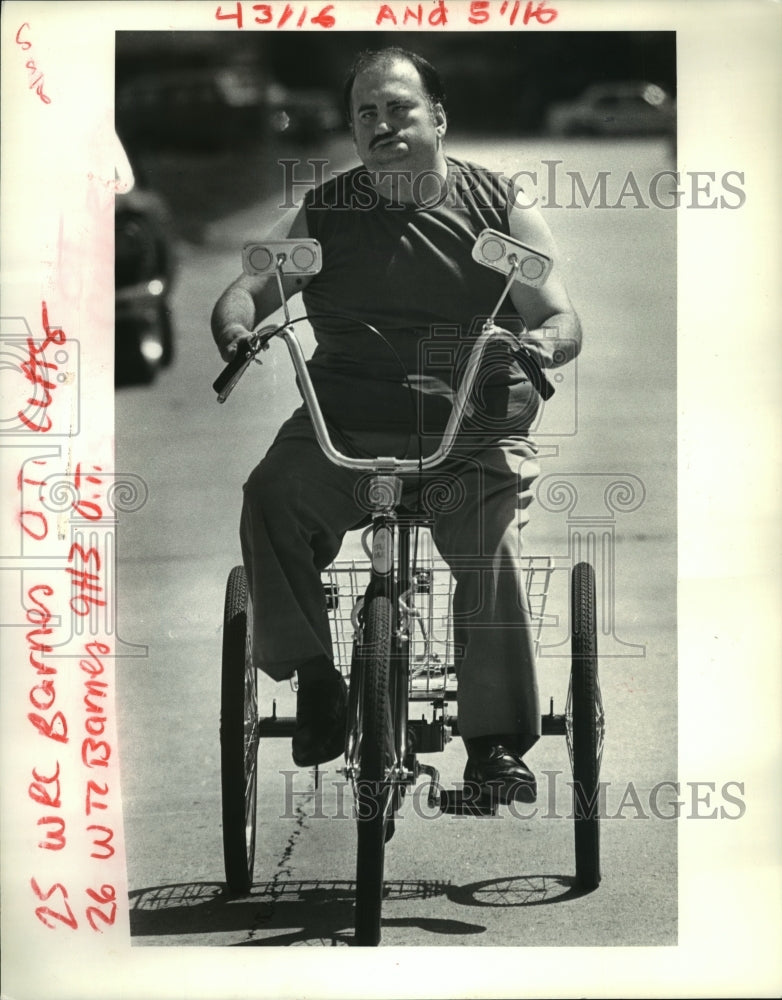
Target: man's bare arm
[[251, 298], [554, 329]]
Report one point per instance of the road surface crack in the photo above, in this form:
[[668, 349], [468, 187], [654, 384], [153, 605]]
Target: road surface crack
[[284, 869]]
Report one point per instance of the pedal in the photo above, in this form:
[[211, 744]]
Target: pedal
[[463, 802], [433, 798]]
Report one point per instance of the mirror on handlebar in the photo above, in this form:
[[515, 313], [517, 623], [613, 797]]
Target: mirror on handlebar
[[503, 253], [299, 257]]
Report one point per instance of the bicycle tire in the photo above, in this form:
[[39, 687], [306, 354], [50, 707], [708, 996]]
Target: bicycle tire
[[238, 736], [373, 792], [587, 721]]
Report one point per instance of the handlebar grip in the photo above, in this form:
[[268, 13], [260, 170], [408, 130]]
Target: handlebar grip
[[532, 368], [233, 371]]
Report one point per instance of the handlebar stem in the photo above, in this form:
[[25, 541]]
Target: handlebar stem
[[278, 275], [515, 267]]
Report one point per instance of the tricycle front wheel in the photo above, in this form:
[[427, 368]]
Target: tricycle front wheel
[[374, 796]]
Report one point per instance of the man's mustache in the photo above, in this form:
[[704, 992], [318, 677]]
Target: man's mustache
[[382, 138]]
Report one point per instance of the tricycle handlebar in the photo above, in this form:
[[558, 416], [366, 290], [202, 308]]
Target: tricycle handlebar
[[389, 464]]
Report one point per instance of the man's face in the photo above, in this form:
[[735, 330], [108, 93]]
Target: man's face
[[394, 125]]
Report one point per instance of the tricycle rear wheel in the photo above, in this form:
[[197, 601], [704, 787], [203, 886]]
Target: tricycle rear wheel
[[239, 736], [585, 727]]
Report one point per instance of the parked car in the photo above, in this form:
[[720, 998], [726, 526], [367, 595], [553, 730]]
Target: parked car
[[144, 269], [615, 109]]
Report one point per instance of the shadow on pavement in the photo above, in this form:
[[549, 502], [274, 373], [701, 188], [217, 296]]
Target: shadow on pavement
[[518, 890], [320, 912]]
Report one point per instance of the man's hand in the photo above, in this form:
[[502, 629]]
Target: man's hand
[[233, 319], [537, 347], [230, 338], [555, 342]]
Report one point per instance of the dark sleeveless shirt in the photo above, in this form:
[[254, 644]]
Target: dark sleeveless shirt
[[407, 271]]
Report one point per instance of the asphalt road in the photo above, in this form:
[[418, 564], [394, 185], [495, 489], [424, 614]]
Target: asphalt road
[[504, 881]]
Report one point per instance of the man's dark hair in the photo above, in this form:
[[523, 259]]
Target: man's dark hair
[[430, 78]]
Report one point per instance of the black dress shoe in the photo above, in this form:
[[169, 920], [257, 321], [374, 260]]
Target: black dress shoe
[[499, 771], [321, 709]]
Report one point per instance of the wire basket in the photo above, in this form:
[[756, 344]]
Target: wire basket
[[429, 605]]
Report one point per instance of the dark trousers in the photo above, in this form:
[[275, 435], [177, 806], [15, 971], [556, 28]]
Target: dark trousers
[[297, 508]]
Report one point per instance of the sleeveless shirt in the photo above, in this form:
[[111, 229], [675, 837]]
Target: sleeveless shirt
[[407, 271]]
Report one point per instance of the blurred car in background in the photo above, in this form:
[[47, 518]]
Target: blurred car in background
[[615, 109], [218, 108], [144, 269], [210, 108], [302, 115]]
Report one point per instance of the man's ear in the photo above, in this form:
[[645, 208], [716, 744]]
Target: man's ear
[[440, 120]]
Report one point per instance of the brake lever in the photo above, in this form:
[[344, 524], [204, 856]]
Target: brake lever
[[226, 381], [533, 369], [526, 360], [233, 371]]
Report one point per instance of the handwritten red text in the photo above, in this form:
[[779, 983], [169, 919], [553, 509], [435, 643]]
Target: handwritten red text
[[45, 790], [84, 570], [35, 79], [94, 752], [32, 522], [100, 904], [509, 10], [277, 15], [58, 911], [43, 695], [87, 503], [87, 508], [37, 369], [412, 13], [435, 13]]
